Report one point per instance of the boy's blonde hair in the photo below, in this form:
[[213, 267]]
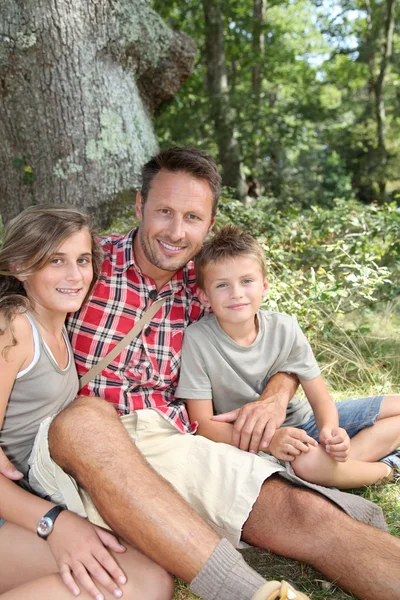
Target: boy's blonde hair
[[228, 242]]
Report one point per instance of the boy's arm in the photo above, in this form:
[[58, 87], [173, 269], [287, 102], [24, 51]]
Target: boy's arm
[[256, 422], [331, 436], [202, 412]]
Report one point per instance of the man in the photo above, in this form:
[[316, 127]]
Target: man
[[177, 207]]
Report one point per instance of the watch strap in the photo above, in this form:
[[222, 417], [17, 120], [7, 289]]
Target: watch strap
[[52, 514]]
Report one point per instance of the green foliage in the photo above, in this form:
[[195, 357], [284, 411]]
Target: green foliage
[[323, 263], [311, 133]]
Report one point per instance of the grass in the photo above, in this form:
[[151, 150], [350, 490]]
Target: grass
[[359, 357]]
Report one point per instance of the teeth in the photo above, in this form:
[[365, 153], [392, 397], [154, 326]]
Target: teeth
[[67, 291], [169, 247]]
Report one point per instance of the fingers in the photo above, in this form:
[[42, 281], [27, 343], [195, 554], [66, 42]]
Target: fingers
[[69, 580], [228, 417], [109, 540], [269, 433], [7, 468], [86, 575]]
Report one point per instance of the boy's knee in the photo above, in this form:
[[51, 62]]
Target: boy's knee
[[308, 464]]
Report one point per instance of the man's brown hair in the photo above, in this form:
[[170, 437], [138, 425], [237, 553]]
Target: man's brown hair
[[194, 162], [228, 242]]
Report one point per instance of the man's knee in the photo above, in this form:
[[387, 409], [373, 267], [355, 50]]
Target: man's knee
[[284, 514], [73, 427]]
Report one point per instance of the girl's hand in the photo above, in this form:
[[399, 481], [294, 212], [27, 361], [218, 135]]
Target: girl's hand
[[7, 469], [81, 553], [336, 443], [289, 442]]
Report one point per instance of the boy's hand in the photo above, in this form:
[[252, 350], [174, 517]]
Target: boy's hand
[[255, 423], [289, 442], [336, 442]]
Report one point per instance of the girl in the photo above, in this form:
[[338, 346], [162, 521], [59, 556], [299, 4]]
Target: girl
[[48, 265]]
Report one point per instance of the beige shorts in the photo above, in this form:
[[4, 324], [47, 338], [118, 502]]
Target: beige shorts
[[220, 481]]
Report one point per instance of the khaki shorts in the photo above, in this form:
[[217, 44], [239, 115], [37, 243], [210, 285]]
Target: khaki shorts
[[220, 481]]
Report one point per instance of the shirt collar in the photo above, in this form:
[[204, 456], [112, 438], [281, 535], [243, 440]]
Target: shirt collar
[[125, 259]]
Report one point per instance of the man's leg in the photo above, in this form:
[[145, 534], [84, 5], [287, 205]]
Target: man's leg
[[88, 441], [300, 524]]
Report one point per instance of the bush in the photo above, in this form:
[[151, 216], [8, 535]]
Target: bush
[[323, 262]]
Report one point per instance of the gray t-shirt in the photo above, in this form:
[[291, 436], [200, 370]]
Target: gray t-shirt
[[41, 390], [216, 367]]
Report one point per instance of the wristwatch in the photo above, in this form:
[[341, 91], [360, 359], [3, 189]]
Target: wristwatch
[[46, 523]]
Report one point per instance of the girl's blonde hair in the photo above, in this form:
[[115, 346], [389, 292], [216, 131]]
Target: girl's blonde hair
[[30, 240]]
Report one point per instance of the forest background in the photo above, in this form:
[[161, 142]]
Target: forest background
[[300, 102]]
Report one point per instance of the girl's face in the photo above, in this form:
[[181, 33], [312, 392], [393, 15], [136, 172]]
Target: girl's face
[[62, 284]]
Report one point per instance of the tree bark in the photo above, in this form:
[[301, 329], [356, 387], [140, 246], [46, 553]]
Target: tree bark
[[259, 7], [380, 100], [222, 113], [78, 82]]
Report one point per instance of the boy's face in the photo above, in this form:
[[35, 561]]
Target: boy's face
[[234, 289]]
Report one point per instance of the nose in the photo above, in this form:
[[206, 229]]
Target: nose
[[177, 228], [73, 272], [236, 290]]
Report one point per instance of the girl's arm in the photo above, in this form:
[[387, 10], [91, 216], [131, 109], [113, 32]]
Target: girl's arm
[[202, 412], [331, 436], [79, 548]]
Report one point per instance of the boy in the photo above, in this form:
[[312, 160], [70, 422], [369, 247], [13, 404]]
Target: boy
[[228, 357]]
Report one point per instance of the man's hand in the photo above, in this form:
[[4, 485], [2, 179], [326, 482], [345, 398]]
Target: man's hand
[[82, 555], [7, 469], [255, 423], [289, 442], [336, 442]]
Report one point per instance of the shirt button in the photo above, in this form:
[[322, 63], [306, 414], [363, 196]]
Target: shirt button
[[153, 294], [147, 331]]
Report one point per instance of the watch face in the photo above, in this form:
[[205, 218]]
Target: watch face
[[45, 526]]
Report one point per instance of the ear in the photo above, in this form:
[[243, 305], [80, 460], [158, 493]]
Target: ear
[[204, 298], [213, 221], [266, 285], [138, 205], [15, 269]]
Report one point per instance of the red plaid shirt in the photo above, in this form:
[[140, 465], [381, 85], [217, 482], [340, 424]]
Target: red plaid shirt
[[145, 374]]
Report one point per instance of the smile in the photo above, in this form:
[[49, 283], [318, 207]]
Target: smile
[[237, 306], [68, 291], [170, 247]]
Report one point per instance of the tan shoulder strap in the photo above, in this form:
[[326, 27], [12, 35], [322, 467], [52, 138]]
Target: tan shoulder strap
[[136, 329]]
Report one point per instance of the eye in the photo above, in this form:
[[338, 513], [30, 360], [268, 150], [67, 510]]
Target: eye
[[84, 260], [193, 217], [247, 280], [221, 285], [56, 261], [164, 211]]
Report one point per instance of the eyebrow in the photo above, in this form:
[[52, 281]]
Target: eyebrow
[[65, 253]]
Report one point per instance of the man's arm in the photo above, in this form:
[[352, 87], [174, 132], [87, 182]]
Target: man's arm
[[256, 422]]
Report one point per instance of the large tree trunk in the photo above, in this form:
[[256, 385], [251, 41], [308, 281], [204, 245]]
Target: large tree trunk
[[222, 113], [377, 76], [78, 82], [380, 100], [259, 7]]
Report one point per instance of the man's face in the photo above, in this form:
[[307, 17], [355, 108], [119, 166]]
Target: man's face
[[174, 222]]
